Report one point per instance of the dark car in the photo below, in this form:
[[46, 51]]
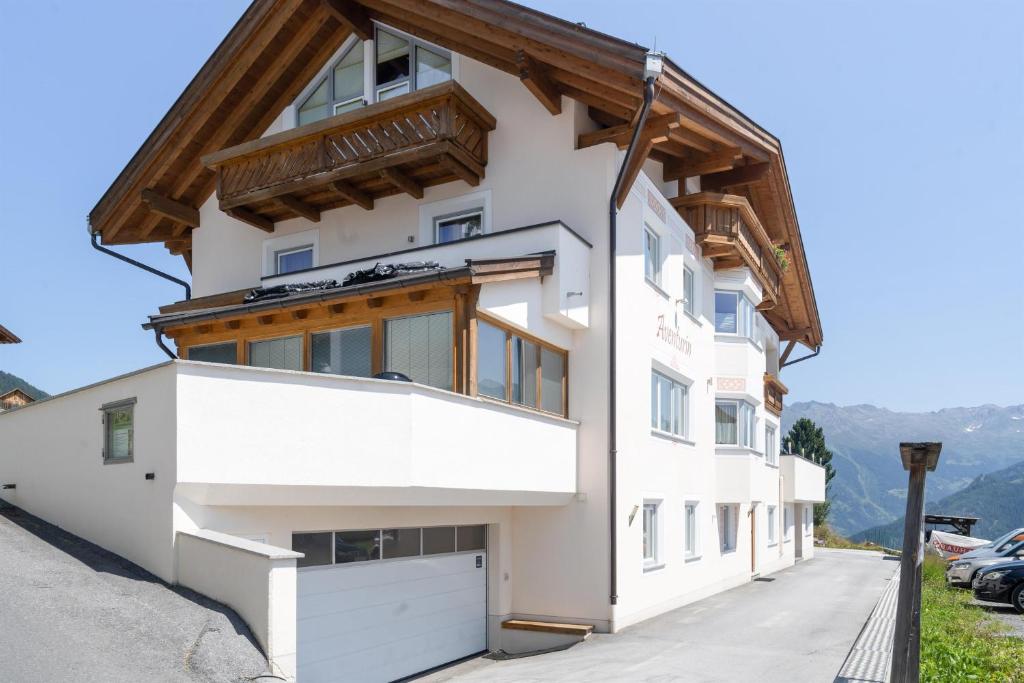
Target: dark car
[[1001, 583]]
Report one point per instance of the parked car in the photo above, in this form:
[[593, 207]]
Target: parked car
[[962, 571], [1001, 583], [1016, 534]]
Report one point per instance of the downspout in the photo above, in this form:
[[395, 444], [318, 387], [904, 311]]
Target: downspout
[[651, 71], [149, 269]]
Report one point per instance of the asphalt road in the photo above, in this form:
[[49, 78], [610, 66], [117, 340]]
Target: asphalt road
[[70, 611], [796, 628]]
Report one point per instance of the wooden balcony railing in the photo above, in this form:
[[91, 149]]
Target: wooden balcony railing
[[432, 136], [731, 235], [774, 390]]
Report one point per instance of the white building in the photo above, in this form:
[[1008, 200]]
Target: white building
[[366, 528]]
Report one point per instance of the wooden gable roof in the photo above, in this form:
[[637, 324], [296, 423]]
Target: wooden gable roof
[[8, 337], [279, 45]]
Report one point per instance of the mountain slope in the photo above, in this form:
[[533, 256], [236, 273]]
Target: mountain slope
[[9, 382], [870, 485], [997, 499]]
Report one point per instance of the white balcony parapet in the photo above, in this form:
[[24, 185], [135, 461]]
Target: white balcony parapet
[[803, 480]]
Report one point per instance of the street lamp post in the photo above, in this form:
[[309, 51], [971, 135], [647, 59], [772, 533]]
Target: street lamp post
[[918, 458]]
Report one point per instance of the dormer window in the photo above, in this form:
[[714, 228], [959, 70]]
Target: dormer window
[[399, 65]]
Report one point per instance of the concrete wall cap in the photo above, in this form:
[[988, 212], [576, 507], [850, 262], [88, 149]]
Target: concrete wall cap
[[270, 552]]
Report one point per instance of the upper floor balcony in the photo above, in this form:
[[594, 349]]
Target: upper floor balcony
[[428, 137], [731, 235], [774, 390], [802, 480]]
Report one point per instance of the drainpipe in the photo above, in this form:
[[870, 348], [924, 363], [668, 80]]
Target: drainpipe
[[149, 269], [652, 70]]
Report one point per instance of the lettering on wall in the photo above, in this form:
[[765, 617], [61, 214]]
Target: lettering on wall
[[672, 337]]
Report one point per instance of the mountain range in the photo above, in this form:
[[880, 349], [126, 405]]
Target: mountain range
[[9, 382], [869, 488], [996, 499]]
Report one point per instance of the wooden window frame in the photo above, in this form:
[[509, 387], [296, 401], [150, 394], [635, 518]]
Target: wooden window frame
[[541, 345]]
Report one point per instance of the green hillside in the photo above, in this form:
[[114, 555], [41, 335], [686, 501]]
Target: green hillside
[[997, 499], [9, 382]]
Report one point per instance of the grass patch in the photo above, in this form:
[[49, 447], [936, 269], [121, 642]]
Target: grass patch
[[960, 641], [834, 540]]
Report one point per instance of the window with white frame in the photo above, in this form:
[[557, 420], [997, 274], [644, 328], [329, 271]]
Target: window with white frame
[[459, 226], [652, 256], [691, 529], [399, 64], [773, 521], [807, 519], [669, 405], [689, 295], [771, 448], [119, 431], [734, 314], [727, 518], [291, 260], [650, 534], [787, 522], [735, 422]]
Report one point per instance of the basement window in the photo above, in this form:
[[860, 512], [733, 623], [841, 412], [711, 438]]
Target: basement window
[[119, 431]]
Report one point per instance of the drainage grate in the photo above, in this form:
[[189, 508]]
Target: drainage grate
[[766, 579]]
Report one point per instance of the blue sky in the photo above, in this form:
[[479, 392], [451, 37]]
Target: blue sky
[[901, 124]]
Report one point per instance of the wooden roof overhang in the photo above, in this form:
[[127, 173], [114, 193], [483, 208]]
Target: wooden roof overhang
[[279, 45], [191, 315], [8, 337]]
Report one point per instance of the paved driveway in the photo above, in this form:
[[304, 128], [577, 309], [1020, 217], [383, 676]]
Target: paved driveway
[[796, 628], [70, 611]]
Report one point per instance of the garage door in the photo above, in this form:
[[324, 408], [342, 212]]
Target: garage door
[[371, 616]]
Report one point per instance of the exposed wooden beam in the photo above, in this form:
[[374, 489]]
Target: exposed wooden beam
[[402, 182], [741, 175], [631, 171], [353, 15], [460, 169], [353, 194], [713, 163], [232, 324], [418, 295], [300, 314], [253, 219], [335, 309], [657, 129], [299, 207], [535, 77], [178, 212], [265, 320], [375, 302], [790, 345]]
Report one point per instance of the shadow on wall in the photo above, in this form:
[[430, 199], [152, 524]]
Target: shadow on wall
[[100, 560]]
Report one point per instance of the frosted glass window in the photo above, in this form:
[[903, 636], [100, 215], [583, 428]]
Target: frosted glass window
[[343, 352], [215, 353], [491, 356], [552, 370], [431, 68], [316, 105], [282, 354], [420, 347]]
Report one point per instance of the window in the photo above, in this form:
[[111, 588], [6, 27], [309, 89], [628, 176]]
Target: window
[[787, 522], [393, 74], [369, 545], [284, 353], [291, 260], [689, 295], [772, 523], [343, 352], [518, 370], [650, 540], [734, 314], [691, 526], [340, 90], [807, 519], [119, 431], [771, 449], [727, 517], [420, 347], [458, 226], [669, 405], [735, 422], [652, 256], [215, 353]]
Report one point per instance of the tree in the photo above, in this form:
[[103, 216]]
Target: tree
[[807, 439]]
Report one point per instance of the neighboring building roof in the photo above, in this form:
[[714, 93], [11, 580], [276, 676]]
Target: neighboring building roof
[[277, 47], [13, 398], [8, 337]]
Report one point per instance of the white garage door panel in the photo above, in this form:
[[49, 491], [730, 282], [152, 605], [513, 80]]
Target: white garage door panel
[[378, 621]]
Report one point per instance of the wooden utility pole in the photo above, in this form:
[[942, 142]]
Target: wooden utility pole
[[918, 460]]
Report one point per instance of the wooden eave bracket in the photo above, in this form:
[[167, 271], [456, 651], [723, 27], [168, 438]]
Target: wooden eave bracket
[[178, 212], [353, 194], [299, 207], [353, 15], [402, 182], [536, 79], [741, 175], [253, 219]]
